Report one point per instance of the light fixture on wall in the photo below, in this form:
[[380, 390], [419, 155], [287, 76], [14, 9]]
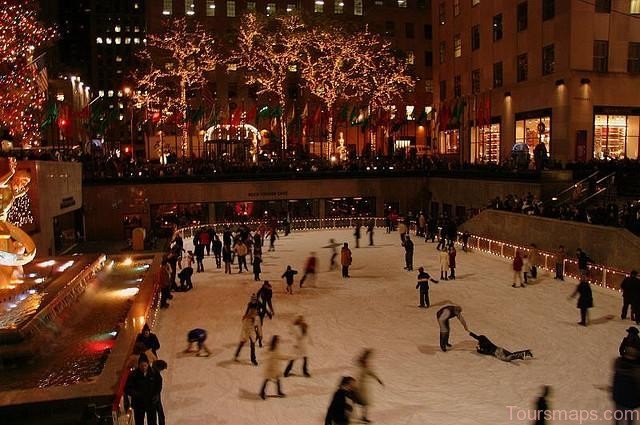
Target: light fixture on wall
[[560, 82], [585, 81]]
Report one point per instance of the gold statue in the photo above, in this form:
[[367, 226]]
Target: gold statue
[[16, 247]]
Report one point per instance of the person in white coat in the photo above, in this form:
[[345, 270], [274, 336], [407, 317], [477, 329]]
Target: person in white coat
[[444, 264], [365, 377], [250, 327], [301, 332], [272, 367]]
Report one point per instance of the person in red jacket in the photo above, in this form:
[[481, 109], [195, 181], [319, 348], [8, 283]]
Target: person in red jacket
[[452, 262], [310, 269], [517, 269]]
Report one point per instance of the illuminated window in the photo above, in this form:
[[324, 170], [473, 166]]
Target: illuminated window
[[118, 40], [136, 40], [485, 144], [108, 40], [293, 68], [291, 7], [358, 9], [533, 131], [117, 28], [411, 57], [127, 40], [167, 7], [548, 59], [428, 86], [318, 6], [100, 93], [231, 8], [190, 7], [409, 113], [475, 2], [110, 93], [338, 7], [600, 55], [251, 6], [456, 7], [402, 3], [99, 40], [211, 7], [271, 9], [457, 46], [634, 7], [232, 67], [523, 67], [118, 58], [616, 136]]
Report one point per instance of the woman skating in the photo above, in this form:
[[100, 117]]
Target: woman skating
[[272, 367], [585, 299], [301, 333], [365, 377]]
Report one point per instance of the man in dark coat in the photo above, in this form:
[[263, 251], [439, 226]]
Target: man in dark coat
[[216, 246], [583, 261], [264, 295], [198, 251], [630, 293], [423, 284], [626, 386], [631, 340], [370, 228], [585, 299], [408, 253], [358, 234], [149, 339], [542, 407], [144, 386], [340, 408]]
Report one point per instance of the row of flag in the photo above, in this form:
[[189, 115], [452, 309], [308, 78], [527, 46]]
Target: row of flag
[[476, 108]]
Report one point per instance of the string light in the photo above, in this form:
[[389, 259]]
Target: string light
[[20, 212]]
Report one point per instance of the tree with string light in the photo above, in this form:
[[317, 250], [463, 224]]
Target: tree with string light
[[22, 85], [269, 50], [177, 61]]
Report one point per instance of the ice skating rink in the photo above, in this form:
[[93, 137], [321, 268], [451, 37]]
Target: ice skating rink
[[377, 308]]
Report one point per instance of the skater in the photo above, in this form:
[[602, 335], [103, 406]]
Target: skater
[[288, 277], [534, 260], [403, 230], [216, 247], [163, 279], [301, 332], [144, 386], [422, 225], [630, 296], [444, 264], [485, 346], [370, 228], [241, 252], [310, 269], [465, 240], [249, 327], [357, 234], [199, 254], [265, 308], [444, 315], [583, 262], [334, 253], [272, 367], [408, 253], [432, 230], [423, 284], [149, 339], [273, 235], [345, 259], [452, 262], [543, 412], [365, 376], [560, 257], [517, 265], [631, 340], [204, 239], [340, 408], [256, 268], [226, 257], [626, 387], [158, 366], [526, 268], [185, 279], [442, 239], [197, 336], [585, 299]]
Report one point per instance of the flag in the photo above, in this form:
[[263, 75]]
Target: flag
[[354, 116], [343, 113], [195, 115], [422, 118], [42, 77], [251, 115], [276, 112], [304, 118], [51, 115], [317, 117], [236, 117], [264, 112]]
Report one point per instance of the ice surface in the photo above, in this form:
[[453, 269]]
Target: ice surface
[[377, 308]]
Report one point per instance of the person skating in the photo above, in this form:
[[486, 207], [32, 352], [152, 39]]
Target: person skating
[[543, 412], [526, 267], [561, 255], [357, 234], [241, 251], [158, 366], [264, 296], [516, 266], [485, 346], [310, 269], [198, 250], [585, 299], [626, 387], [408, 253], [423, 285], [163, 280], [403, 230], [288, 277], [631, 340], [370, 229], [583, 262], [444, 315], [257, 260], [144, 386], [465, 240], [273, 235], [365, 377], [197, 336], [249, 323], [226, 257], [272, 369], [301, 333], [345, 259], [443, 257], [334, 253], [630, 296], [216, 247], [452, 262], [340, 408], [149, 339]]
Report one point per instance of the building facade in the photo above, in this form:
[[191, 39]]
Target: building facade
[[563, 74]]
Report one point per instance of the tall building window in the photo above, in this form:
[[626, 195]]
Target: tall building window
[[442, 12], [633, 62], [428, 86], [443, 90], [211, 7], [497, 27], [411, 57], [523, 67], [167, 7], [523, 12], [338, 7], [318, 6], [497, 75], [475, 81], [358, 8], [409, 30], [456, 7], [271, 9], [485, 143], [548, 9], [603, 6], [600, 55], [634, 7], [251, 6], [443, 48], [190, 7], [231, 8], [475, 37], [389, 28], [475, 2], [616, 136], [402, 3], [428, 32], [548, 59], [457, 86], [428, 58], [291, 7], [457, 46]]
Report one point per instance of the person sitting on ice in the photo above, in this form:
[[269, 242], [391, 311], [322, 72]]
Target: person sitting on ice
[[485, 346], [197, 336]]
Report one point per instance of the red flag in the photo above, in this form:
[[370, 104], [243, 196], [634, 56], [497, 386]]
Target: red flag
[[317, 116], [236, 118], [251, 114]]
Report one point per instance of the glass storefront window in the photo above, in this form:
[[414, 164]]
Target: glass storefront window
[[449, 142], [533, 131], [616, 136], [485, 144]]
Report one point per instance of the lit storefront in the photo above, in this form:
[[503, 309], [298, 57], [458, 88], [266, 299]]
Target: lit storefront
[[449, 142], [534, 127], [485, 143], [616, 133]]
